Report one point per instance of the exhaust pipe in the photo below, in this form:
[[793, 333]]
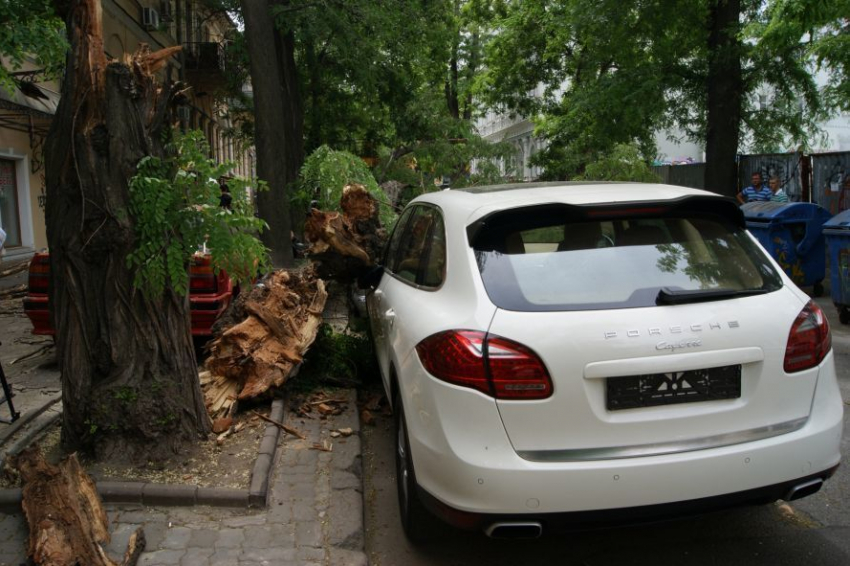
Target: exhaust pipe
[[514, 530], [804, 489]]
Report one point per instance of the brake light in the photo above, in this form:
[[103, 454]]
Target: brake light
[[39, 274], [493, 365], [809, 340]]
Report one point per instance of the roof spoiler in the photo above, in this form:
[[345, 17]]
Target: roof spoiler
[[551, 213]]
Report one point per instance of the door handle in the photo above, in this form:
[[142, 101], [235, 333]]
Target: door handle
[[389, 316]]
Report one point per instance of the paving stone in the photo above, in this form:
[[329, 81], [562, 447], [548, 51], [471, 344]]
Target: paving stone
[[308, 533], [155, 532], [343, 557], [229, 538], [196, 557], [259, 536], [161, 558], [304, 512], [204, 538], [268, 555], [245, 521], [120, 536], [302, 490], [346, 520], [308, 457], [346, 480], [176, 537], [225, 557], [306, 553]]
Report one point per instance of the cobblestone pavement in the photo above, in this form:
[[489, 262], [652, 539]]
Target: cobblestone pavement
[[314, 517]]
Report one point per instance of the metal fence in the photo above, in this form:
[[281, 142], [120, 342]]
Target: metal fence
[[787, 166], [830, 175], [689, 175]]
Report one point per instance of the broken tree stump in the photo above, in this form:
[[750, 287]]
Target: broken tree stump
[[67, 522], [282, 318], [346, 244]]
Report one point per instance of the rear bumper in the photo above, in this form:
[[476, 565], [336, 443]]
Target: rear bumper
[[465, 461], [205, 310], [607, 518]]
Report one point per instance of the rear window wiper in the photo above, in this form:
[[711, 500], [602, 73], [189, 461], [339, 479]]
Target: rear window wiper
[[668, 296]]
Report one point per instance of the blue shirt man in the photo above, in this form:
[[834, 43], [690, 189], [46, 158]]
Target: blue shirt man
[[756, 191]]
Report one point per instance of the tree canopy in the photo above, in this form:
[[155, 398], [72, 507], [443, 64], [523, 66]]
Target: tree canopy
[[29, 29], [594, 74]]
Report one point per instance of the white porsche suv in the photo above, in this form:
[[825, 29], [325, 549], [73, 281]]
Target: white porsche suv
[[569, 354]]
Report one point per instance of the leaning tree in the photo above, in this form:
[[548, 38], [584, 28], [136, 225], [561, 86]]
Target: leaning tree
[[129, 374]]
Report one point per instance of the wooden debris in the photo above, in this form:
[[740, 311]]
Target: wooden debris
[[259, 353], [22, 266], [222, 424], [346, 244], [367, 417], [33, 354], [283, 427], [11, 292], [325, 446], [67, 522]]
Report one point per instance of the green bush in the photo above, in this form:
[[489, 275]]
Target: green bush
[[624, 163], [325, 174]]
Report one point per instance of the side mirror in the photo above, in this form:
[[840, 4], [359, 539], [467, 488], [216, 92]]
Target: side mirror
[[372, 278]]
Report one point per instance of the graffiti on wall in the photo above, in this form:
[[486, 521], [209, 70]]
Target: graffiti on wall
[[785, 166], [831, 181]]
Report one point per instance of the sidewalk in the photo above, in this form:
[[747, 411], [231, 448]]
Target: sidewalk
[[315, 508]]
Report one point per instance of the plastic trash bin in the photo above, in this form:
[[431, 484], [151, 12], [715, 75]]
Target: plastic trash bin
[[837, 234], [792, 233]]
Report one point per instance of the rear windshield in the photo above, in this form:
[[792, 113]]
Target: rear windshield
[[534, 263]]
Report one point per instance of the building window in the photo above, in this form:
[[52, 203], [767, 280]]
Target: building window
[[9, 216]]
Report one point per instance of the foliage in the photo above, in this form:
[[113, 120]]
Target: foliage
[[341, 356], [325, 174], [624, 163], [174, 204], [29, 29], [594, 74]]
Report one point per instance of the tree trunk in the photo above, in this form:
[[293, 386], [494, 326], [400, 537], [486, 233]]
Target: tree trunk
[[279, 123], [724, 97], [129, 375]]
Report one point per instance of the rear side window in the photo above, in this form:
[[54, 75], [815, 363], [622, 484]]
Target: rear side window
[[419, 254], [583, 264]]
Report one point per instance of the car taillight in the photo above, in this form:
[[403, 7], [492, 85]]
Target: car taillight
[[39, 274], [202, 277], [809, 339], [491, 364]]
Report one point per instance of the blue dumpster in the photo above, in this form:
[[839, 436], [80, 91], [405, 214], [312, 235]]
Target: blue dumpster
[[792, 233], [837, 233]]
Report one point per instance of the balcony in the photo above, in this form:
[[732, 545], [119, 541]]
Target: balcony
[[205, 62]]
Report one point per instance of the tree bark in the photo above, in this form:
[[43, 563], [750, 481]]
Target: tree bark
[[67, 522], [129, 375], [724, 97], [279, 123]]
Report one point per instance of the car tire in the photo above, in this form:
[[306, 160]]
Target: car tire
[[817, 289], [418, 523], [844, 315]]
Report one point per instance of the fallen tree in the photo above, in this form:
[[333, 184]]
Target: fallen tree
[[282, 317], [67, 522], [346, 244], [265, 334]]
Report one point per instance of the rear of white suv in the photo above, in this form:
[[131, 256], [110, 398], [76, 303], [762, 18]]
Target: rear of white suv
[[599, 354]]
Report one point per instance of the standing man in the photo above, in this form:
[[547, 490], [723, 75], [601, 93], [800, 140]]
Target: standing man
[[778, 193], [756, 191]]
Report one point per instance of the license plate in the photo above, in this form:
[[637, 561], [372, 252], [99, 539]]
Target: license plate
[[655, 389]]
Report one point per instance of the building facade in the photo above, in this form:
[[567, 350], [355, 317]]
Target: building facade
[[26, 113]]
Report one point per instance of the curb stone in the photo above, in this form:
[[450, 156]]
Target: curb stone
[[169, 494]]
